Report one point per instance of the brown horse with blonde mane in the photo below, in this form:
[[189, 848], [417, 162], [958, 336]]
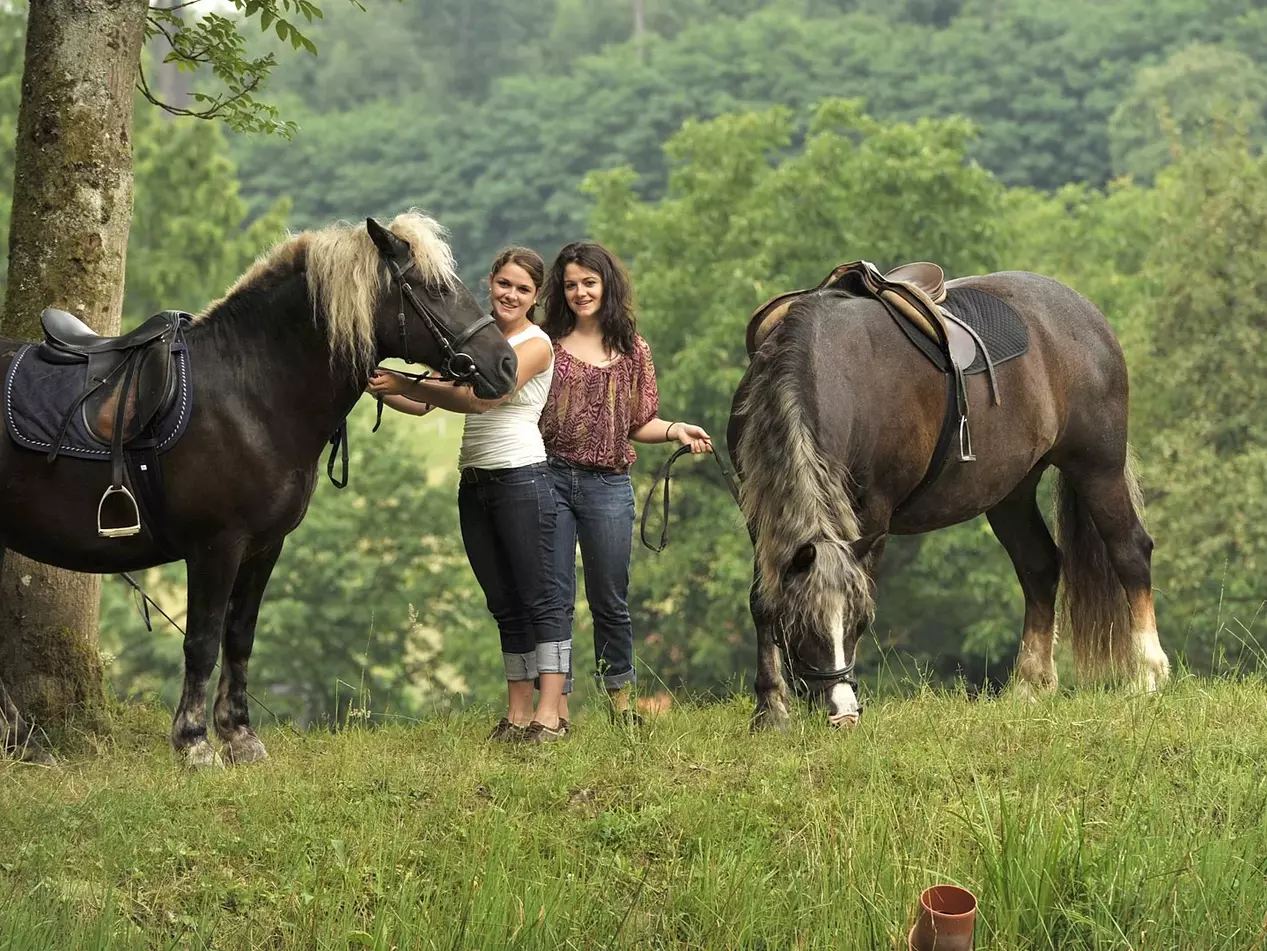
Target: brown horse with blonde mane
[[832, 430]]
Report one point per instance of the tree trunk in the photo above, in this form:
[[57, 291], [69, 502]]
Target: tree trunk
[[72, 207]]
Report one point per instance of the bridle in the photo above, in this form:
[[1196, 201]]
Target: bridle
[[456, 364], [803, 675]]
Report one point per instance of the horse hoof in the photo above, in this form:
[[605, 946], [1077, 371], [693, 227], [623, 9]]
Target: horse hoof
[[34, 754], [246, 748], [771, 719], [1154, 672], [1027, 691], [845, 721], [202, 755]]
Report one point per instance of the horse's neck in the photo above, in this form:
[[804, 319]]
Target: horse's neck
[[269, 349]]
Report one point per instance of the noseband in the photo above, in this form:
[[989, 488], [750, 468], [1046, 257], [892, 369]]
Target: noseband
[[456, 363]]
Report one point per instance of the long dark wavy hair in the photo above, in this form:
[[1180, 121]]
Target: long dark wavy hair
[[616, 318], [527, 259]]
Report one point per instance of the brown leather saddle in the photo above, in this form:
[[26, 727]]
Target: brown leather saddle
[[130, 382], [913, 295], [914, 291]]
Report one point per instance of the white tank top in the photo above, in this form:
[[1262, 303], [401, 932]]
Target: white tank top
[[507, 436]]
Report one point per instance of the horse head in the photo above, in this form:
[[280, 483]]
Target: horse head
[[427, 315]]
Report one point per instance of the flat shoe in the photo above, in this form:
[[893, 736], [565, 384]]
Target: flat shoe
[[507, 732], [538, 732]]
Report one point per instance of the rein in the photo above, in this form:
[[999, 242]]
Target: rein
[[665, 473]]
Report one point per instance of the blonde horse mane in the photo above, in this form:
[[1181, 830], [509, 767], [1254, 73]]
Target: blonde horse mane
[[346, 275]]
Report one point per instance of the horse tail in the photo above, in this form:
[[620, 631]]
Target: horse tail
[[794, 496], [1093, 606]]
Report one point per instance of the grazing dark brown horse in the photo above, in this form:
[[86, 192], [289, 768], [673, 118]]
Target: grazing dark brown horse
[[278, 364], [834, 425]]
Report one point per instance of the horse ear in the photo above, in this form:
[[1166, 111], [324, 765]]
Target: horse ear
[[386, 242]]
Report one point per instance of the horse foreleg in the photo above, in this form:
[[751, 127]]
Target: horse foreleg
[[772, 692], [1018, 525], [232, 715], [213, 572]]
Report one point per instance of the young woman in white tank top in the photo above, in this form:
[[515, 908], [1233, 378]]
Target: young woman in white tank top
[[506, 502]]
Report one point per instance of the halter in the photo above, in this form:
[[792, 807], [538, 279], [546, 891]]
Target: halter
[[456, 364]]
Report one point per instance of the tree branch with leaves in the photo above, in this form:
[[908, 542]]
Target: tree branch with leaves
[[201, 40]]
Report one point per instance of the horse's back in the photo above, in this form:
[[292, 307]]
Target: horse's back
[[1047, 305]]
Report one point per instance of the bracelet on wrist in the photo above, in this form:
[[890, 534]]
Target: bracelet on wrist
[[667, 436]]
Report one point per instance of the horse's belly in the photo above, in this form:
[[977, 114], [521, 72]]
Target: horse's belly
[[965, 490]]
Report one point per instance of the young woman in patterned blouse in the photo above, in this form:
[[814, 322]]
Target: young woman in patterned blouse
[[603, 397]]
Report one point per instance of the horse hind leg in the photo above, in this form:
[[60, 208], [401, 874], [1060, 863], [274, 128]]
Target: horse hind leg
[[1108, 577], [232, 714], [1018, 524]]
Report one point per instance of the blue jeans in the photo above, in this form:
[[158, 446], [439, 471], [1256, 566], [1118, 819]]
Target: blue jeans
[[509, 519], [597, 509]]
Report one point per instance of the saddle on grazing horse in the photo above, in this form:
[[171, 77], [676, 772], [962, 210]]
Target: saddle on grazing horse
[[915, 296], [110, 391]]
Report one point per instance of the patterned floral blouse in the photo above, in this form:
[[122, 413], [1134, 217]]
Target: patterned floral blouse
[[592, 411]]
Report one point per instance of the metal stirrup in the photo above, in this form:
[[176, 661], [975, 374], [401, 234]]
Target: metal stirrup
[[122, 531]]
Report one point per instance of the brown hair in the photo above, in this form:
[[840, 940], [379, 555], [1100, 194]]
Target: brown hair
[[615, 311], [527, 259]]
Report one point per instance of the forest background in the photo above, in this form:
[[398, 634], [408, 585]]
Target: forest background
[[729, 150]]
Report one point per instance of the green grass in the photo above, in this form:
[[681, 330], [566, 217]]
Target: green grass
[[1093, 820]]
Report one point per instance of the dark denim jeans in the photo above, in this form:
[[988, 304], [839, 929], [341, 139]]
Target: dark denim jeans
[[597, 509], [509, 520]]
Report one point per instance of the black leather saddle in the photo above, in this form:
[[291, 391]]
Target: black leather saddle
[[130, 382]]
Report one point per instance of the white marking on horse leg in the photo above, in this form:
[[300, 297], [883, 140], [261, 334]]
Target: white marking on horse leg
[[1035, 673], [1154, 665]]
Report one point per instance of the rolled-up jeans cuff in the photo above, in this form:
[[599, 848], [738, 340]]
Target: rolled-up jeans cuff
[[520, 666], [616, 681], [554, 657]]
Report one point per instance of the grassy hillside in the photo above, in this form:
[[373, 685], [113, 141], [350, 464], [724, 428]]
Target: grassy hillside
[[1090, 821]]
